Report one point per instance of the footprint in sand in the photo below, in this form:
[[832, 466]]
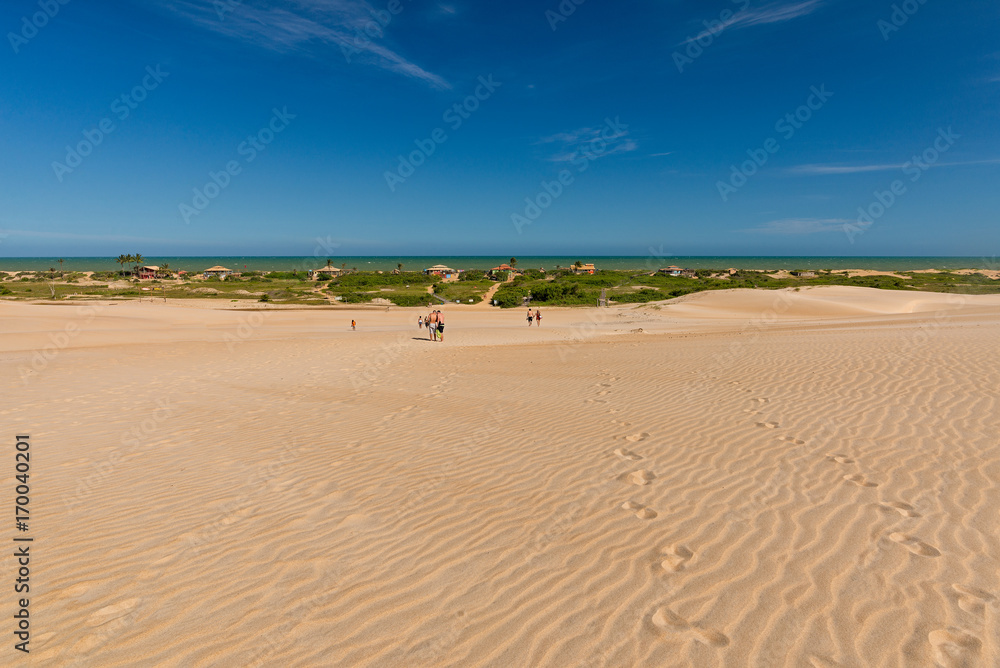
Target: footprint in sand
[[915, 545], [840, 459], [111, 612], [668, 620], [675, 558], [642, 477], [641, 511], [792, 440], [973, 600], [859, 480], [768, 425], [635, 438], [627, 454], [904, 509], [761, 400], [954, 648], [751, 411]]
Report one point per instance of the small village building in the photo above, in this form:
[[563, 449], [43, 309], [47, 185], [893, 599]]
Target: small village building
[[217, 272], [325, 272], [803, 274], [672, 270], [440, 270], [148, 272], [583, 269]]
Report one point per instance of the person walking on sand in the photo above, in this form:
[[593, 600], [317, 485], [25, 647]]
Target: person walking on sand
[[440, 326], [530, 316], [431, 321], [354, 325], [538, 318], [420, 322]]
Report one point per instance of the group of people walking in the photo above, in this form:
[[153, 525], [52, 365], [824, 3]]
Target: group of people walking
[[435, 325], [536, 316]]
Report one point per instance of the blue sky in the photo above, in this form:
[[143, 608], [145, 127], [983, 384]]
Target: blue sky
[[789, 127]]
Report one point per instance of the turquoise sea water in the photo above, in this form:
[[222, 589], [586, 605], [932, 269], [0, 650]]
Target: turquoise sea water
[[264, 263]]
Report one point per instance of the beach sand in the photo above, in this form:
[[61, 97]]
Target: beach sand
[[735, 478]]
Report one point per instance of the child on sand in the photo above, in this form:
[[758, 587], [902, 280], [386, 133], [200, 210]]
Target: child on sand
[[354, 325], [420, 322]]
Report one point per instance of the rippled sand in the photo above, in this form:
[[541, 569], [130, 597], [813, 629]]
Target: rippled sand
[[730, 479]]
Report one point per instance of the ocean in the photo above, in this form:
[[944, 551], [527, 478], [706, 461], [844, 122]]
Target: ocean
[[273, 263]]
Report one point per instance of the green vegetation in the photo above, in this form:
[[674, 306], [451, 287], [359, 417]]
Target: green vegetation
[[558, 287], [464, 290], [623, 287]]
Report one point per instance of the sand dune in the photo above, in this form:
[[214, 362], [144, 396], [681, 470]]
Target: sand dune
[[729, 486]]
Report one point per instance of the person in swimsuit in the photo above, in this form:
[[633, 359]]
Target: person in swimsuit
[[538, 318], [431, 321], [530, 316], [440, 318], [420, 322]]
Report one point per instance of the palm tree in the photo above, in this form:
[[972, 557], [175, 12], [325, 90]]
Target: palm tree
[[329, 262], [60, 264], [513, 262], [399, 265], [137, 259], [577, 264], [165, 268], [121, 260]]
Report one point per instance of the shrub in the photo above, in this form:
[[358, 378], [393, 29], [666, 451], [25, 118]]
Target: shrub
[[637, 297], [510, 296], [410, 300], [355, 298]]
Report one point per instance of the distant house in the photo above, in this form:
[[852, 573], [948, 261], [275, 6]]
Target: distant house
[[440, 270], [674, 270], [583, 269], [324, 272], [803, 274], [148, 272], [217, 272], [498, 272]]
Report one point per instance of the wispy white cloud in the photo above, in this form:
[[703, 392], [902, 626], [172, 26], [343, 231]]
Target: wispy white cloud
[[308, 27], [825, 170], [801, 226], [776, 12], [592, 142], [658, 155]]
